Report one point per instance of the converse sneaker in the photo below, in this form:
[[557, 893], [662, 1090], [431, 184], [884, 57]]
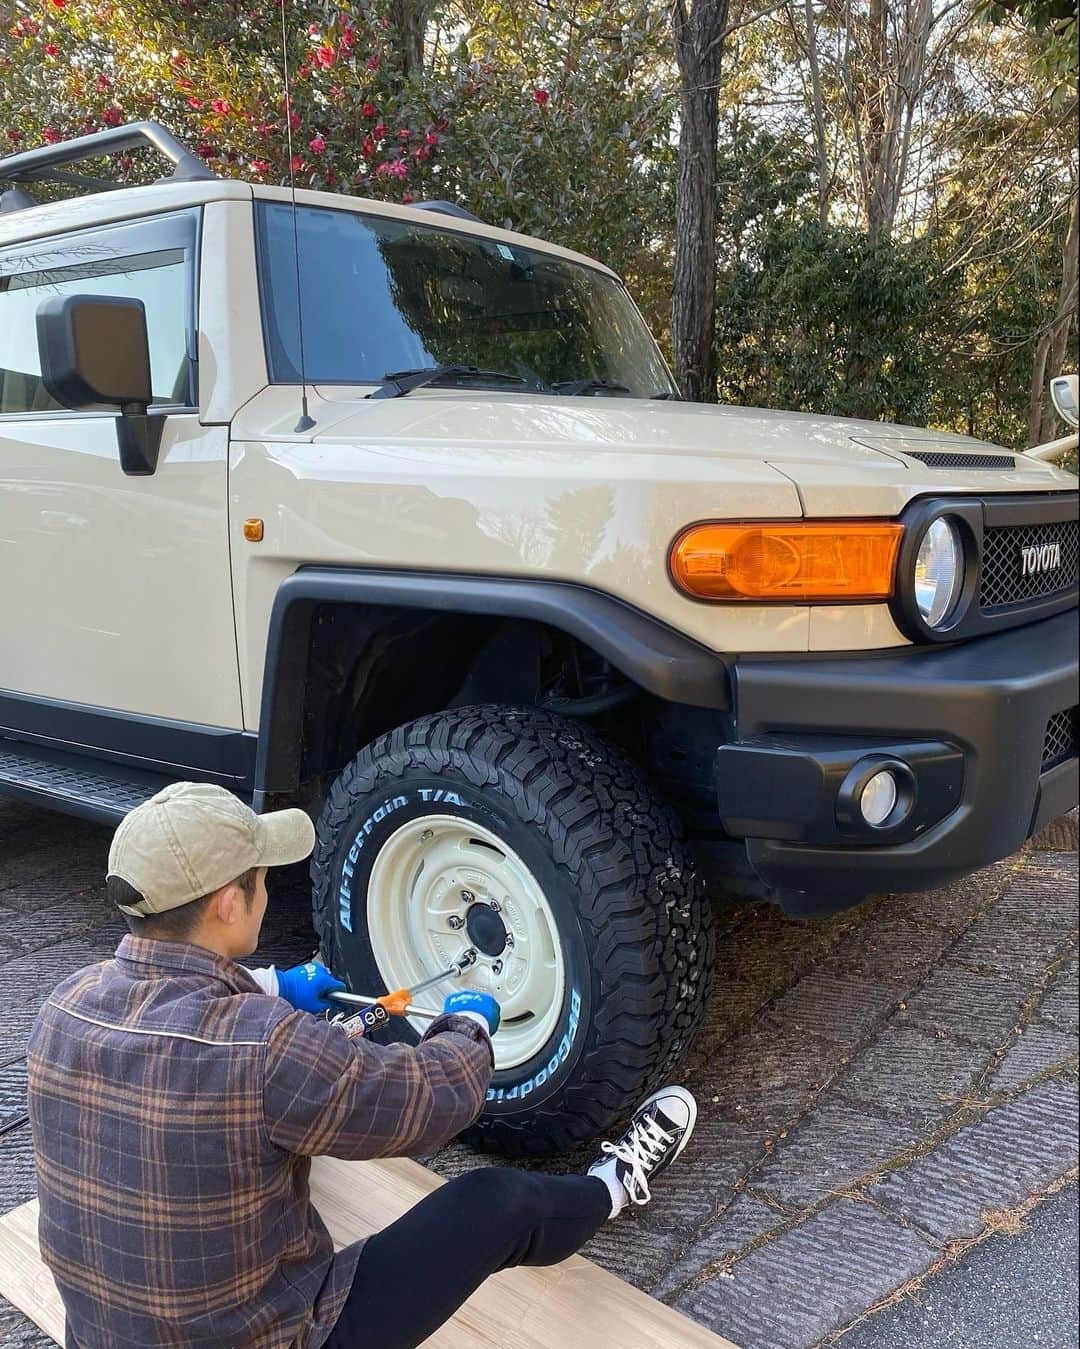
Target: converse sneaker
[[660, 1129]]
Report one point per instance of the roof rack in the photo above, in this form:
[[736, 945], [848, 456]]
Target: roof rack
[[44, 163]]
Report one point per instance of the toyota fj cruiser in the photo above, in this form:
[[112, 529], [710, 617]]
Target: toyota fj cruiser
[[398, 516]]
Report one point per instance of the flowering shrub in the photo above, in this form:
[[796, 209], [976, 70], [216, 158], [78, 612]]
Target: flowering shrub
[[531, 123]]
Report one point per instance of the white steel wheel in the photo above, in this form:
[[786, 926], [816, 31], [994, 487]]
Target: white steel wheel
[[443, 886]]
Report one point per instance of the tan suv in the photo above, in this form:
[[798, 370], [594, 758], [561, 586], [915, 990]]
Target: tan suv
[[387, 512]]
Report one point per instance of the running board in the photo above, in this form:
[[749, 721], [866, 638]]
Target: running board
[[75, 783]]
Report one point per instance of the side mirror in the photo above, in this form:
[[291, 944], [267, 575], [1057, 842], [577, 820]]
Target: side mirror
[[1065, 395], [94, 354]]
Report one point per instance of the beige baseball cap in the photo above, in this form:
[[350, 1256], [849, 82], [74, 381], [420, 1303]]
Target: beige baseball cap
[[192, 838]]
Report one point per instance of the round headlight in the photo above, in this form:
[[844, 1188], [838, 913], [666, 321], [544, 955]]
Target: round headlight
[[939, 572]]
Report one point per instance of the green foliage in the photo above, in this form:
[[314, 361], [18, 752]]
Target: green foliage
[[823, 319], [560, 120]]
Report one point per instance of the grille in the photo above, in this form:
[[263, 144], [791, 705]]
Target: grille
[[1003, 581], [1062, 737], [944, 459]]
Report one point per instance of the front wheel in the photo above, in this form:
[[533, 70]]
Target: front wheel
[[527, 845]]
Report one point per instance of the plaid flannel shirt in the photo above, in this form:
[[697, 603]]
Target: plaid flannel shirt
[[175, 1107]]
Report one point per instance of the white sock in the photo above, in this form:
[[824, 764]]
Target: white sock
[[605, 1171]]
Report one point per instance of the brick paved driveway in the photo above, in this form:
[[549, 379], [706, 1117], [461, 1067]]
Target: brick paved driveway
[[878, 1089]]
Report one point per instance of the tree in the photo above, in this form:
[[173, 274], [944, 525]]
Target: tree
[[699, 33], [1049, 357]]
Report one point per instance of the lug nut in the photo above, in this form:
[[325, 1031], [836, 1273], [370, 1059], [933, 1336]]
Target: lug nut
[[496, 907], [467, 897], [509, 940], [496, 967], [455, 923]]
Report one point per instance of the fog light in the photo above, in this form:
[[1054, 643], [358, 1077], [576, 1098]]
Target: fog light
[[878, 798]]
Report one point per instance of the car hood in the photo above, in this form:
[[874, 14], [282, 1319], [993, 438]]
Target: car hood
[[839, 465]]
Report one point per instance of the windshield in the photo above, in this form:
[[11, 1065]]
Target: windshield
[[382, 295]]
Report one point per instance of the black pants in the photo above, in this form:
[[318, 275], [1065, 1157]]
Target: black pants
[[415, 1274]]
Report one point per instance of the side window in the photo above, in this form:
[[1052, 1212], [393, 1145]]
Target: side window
[[160, 277]]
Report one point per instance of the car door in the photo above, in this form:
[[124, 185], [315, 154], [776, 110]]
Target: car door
[[114, 589]]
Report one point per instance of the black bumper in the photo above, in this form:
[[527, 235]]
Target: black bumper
[[969, 723]]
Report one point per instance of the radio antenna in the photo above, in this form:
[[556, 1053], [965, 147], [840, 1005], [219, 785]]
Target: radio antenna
[[306, 421]]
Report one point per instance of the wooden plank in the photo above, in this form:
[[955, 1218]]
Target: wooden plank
[[551, 1308], [24, 1280], [519, 1308]]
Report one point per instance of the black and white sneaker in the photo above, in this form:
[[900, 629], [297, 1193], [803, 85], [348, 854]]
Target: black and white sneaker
[[660, 1129]]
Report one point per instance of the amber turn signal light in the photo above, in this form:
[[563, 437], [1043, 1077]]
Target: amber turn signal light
[[798, 561], [253, 530]]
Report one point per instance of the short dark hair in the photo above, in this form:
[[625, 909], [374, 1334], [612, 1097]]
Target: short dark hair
[[174, 924]]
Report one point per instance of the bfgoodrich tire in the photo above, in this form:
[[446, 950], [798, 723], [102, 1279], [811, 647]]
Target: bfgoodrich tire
[[528, 839]]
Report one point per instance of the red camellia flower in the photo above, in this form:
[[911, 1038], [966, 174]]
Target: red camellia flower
[[59, 4], [391, 168], [221, 106], [404, 134], [431, 138], [325, 56], [313, 29], [367, 109], [112, 116], [195, 103], [103, 83], [50, 135], [260, 166], [336, 91], [51, 49], [422, 152], [406, 198], [367, 147], [380, 131], [373, 62], [294, 121], [348, 38], [317, 144], [296, 163], [206, 149], [541, 96]]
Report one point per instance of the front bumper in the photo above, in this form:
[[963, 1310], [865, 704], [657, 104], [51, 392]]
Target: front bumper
[[969, 721]]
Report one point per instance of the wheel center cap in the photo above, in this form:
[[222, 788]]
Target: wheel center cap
[[486, 929]]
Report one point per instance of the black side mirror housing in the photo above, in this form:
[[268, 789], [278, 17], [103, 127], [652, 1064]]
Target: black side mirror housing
[[95, 354]]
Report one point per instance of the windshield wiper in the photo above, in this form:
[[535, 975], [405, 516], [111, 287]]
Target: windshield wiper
[[571, 388], [398, 383], [660, 397]]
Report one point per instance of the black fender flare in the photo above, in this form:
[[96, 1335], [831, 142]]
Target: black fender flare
[[659, 659]]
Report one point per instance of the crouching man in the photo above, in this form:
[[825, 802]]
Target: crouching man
[[176, 1098]]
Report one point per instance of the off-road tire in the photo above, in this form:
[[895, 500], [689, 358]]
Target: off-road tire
[[603, 846]]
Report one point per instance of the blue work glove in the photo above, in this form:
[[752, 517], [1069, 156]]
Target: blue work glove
[[477, 1004], [306, 986]]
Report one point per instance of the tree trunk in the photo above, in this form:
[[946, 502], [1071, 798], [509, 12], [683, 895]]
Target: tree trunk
[[892, 88], [408, 23], [1050, 348], [824, 170], [699, 44]]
